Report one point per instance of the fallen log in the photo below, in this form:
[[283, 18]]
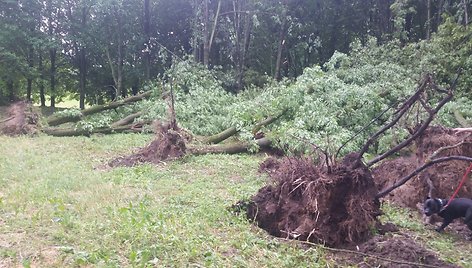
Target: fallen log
[[71, 132], [127, 120], [58, 119], [230, 148], [217, 138]]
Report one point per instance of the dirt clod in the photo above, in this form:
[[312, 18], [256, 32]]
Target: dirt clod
[[396, 251]]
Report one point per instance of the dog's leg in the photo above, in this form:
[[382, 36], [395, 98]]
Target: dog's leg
[[443, 225]]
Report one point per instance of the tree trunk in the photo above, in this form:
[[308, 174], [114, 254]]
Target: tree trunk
[[147, 45], [52, 76], [119, 82], [127, 120], [280, 48], [29, 80], [55, 119], [215, 23], [428, 20], [71, 132], [29, 83], [206, 39], [52, 59], [231, 148], [41, 81], [217, 138], [82, 77], [466, 13], [82, 63], [11, 90], [117, 67]]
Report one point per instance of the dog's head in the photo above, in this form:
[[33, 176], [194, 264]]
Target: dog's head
[[432, 206]]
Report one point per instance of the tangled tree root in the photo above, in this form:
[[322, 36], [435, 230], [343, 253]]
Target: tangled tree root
[[308, 203], [169, 144], [21, 120]]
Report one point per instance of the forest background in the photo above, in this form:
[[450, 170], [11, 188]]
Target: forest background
[[327, 67]]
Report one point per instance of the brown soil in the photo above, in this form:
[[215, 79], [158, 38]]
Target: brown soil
[[307, 202], [394, 251], [20, 119], [169, 144], [444, 176]]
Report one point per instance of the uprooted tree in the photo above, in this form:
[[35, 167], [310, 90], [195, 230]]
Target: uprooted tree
[[337, 202]]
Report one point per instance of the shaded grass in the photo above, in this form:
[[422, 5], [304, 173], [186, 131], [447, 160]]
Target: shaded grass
[[59, 209]]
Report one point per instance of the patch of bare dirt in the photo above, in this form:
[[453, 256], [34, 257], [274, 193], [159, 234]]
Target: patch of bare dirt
[[20, 119], [444, 176], [169, 144], [309, 202], [393, 252]]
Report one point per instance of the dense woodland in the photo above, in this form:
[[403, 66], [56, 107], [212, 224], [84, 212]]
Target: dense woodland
[[326, 67], [95, 50]]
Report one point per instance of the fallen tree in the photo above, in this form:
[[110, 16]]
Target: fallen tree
[[58, 119], [337, 202], [69, 132]]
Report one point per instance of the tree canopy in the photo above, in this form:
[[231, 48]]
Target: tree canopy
[[97, 51]]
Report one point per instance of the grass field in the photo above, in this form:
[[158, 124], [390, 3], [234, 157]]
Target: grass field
[[59, 207]]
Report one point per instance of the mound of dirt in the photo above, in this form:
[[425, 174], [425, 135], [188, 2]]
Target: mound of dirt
[[21, 119], [394, 251], [444, 176], [307, 202], [169, 144]]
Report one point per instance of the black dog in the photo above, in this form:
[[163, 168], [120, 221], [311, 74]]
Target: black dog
[[458, 208]]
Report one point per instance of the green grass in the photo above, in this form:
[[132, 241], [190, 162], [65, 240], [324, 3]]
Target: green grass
[[60, 208]]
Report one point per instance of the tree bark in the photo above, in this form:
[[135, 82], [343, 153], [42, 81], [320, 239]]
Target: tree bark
[[466, 13], [231, 148], [72, 132], [147, 45], [428, 20], [215, 23], [206, 38], [217, 138], [280, 48], [127, 120], [55, 119], [52, 76], [41, 81], [82, 63], [29, 80], [10, 90]]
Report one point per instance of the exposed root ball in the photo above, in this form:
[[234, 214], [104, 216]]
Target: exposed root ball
[[307, 203], [169, 144], [21, 120], [444, 177]]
